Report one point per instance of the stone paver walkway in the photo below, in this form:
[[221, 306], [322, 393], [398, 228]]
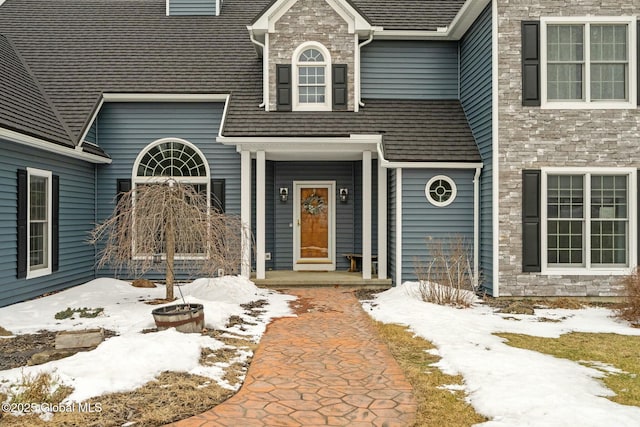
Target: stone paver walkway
[[324, 367]]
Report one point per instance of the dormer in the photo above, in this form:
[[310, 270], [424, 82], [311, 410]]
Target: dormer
[[310, 54], [193, 7]]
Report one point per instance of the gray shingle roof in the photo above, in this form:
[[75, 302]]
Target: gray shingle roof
[[425, 15], [23, 106], [429, 131], [79, 49]]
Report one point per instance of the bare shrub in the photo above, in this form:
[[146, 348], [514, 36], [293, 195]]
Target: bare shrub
[[629, 309], [447, 279], [169, 227]]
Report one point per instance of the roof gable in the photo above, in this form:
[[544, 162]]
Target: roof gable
[[266, 20]]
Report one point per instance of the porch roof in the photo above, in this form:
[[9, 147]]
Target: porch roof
[[412, 130]]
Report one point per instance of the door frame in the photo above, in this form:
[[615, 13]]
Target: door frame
[[299, 263]]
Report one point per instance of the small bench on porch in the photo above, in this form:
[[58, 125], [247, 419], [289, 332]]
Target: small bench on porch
[[354, 259]]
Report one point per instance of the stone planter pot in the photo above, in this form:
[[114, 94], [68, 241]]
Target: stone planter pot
[[184, 317]]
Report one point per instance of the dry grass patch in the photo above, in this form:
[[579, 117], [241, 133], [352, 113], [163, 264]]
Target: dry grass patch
[[172, 397], [620, 351], [436, 407]]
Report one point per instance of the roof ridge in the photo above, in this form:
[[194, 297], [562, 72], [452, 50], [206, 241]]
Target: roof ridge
[[41, 89]]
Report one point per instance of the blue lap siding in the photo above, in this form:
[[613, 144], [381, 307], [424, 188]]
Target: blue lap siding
[[77, 202], [476, 98], [125, 129], [192, 7], [424, 223], [410, 70], [348, 215]]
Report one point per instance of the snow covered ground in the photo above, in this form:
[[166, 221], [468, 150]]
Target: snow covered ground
[[131, 359], [511, 386]]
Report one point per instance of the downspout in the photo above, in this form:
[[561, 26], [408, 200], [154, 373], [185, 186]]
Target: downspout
[[476, 227], [358, 86], [264, 75]]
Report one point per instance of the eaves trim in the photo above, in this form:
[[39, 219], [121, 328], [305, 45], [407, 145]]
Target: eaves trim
[[52, 147]]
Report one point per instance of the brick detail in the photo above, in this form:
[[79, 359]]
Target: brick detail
[[311, 20], [531, 138]]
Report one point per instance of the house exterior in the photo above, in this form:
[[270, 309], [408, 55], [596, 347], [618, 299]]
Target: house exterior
[[330, 127]]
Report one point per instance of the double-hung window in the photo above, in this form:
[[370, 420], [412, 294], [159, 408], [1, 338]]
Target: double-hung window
[[312, 77], [587, 218], [39, 222], [588, 62]]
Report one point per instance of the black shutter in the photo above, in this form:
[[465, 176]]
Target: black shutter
[[123, 186], [55, 223], [283, 87], [339, 82], [217, 195], [531, 63], [22, 224], [531, 221]]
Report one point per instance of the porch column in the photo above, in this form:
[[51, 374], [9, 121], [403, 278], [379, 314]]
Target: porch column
[[382, 221], [366, 215], [260, 214], [245, 211]]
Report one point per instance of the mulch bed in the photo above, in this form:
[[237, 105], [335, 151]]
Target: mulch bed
[[16, 351]]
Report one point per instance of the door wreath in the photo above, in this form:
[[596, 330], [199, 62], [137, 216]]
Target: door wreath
[[314, 204]]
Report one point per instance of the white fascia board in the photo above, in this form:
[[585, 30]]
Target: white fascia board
[[51, 147], [356, 22], [430, 165], [466, 16], [463, 20], [224, 116], [93, 118], [164, 97], [297, 143], [410, 35]]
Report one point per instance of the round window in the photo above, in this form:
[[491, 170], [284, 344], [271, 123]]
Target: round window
[[440, 190]]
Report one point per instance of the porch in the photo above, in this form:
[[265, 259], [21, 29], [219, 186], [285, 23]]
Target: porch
[[287, 279]]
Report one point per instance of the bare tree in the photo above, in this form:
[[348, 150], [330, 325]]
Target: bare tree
[[169, 226]]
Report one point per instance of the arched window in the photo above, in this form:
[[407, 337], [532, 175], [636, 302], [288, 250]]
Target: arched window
[[172, 158], [312, 77]]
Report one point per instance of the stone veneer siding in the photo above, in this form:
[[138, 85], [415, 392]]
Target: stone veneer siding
[[311, 20], [531, 138]]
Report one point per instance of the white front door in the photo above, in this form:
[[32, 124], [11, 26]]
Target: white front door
[[314, 225]]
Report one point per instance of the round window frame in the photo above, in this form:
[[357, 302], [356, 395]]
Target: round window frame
[[454, 191]]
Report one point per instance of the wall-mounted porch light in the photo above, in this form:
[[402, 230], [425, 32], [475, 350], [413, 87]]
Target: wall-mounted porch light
[[344, 195], [284, 194]]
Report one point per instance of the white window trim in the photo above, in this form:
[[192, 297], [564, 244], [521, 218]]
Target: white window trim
[[136, 180], [630, 103], [631, 173], [44, 271], [454, 191], [326, 105]]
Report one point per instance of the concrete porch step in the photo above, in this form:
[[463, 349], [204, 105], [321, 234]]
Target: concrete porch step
[[287, 279]]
